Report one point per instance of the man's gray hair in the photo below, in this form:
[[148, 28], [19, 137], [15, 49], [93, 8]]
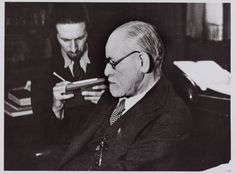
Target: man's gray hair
[[146, 37]]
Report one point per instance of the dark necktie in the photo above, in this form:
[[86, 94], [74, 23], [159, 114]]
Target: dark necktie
[[78, 71], [117, 113]]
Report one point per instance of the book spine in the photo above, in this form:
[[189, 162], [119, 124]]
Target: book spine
[[10, 105], [13, 98], [19, 108], [20, 113], [21, 102]]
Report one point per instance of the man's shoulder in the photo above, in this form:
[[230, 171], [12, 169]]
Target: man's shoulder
[[171, 107]]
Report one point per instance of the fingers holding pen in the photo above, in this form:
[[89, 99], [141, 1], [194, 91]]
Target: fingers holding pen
[[59, 97], [59, 91], [64, 96]]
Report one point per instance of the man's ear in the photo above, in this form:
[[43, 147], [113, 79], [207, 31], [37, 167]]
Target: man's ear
[[145, 62]]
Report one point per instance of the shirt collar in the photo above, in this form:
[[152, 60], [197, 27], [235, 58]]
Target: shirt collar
[[83, 61], [67, 61], [131, 101]]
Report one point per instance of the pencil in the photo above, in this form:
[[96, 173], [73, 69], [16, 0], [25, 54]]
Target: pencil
[[55, 74]]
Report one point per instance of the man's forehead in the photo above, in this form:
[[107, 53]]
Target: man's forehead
[[116, 40], [115, 50], [74, 28], [118, 44], [118, 35]]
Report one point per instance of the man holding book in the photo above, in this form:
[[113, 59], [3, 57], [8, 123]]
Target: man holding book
[[73, 59]]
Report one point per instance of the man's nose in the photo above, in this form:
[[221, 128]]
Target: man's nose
[[74, 46], [108, 69]]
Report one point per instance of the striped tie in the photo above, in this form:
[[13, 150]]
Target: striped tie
[[78, 71], [117, 113]]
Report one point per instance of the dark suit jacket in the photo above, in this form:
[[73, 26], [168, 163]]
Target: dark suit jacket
[[150, 136], [43, 82]]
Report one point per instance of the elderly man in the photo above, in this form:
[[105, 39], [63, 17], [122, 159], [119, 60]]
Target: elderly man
[[144, 124]]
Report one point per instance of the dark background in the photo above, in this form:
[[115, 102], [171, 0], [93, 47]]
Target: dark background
[[26, 34], [26, 45]]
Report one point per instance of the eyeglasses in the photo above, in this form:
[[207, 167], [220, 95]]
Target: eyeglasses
[[115, 63]]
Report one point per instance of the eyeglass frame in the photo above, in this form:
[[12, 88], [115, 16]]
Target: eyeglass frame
[[115, 63]]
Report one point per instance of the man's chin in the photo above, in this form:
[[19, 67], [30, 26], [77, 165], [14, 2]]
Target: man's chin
[[115, 92], [73, 58]]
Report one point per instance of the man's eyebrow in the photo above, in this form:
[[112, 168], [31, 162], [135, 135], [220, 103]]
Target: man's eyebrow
[[65, 38], [80, 37]]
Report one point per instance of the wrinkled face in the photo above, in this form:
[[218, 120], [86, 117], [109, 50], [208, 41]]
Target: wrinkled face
[[125, 78], [72, 38]]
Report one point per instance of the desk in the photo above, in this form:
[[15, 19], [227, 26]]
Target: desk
[[210, 139], [211, 133]]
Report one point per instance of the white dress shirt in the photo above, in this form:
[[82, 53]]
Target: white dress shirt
[[131, 101]]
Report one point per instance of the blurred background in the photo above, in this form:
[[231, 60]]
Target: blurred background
[[190, 31]]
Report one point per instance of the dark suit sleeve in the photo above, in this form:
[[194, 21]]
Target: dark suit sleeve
[[41, 90], [42, 99], [161, 146]]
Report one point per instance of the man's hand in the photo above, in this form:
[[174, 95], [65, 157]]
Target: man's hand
[[94, 94], [59, 98]]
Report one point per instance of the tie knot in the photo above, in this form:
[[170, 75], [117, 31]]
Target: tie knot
[[120, 107], [78, 71], [121, 104]]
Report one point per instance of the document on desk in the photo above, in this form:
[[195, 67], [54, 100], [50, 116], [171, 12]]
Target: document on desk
[[206, 74]]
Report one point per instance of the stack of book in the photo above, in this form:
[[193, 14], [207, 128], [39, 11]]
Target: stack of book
[[18, 102]]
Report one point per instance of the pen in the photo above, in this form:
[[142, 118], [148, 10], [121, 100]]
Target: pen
[[55, 74]]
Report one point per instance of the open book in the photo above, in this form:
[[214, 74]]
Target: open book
[[206, 74]]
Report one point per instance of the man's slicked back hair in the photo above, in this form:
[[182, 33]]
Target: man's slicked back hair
[[64, 13], [146, 37]]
